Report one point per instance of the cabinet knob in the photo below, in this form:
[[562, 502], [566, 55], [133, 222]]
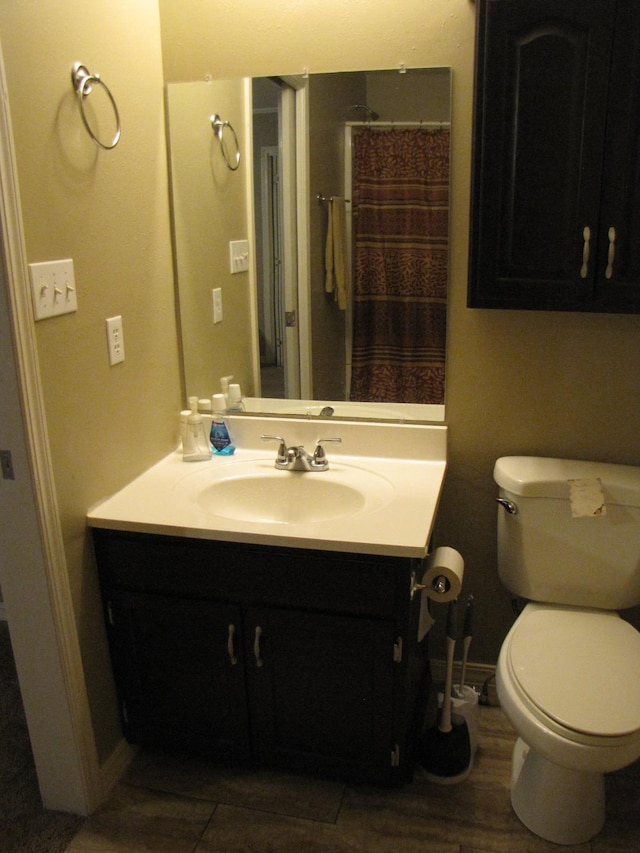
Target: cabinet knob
[[256, 646], [230, 645], [586, 245], [611, 234]]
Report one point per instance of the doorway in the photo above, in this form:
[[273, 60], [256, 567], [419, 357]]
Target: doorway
[[275, 181]]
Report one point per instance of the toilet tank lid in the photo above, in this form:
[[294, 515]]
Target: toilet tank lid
[[543, 477]]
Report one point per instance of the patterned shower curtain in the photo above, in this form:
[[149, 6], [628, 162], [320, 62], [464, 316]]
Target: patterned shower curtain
[[400, 226]]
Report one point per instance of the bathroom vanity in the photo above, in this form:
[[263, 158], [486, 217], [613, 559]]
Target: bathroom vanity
[[250, 640]]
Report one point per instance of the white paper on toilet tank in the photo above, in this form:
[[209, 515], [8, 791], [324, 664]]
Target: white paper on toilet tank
[[441, 581], [587, 497]]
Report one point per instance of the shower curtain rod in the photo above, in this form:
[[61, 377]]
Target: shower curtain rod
[[323, 199], [427, 124]]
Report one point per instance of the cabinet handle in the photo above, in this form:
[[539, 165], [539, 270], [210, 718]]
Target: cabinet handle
[[230, 645], [256, 646], [612, 252], [586, 236]]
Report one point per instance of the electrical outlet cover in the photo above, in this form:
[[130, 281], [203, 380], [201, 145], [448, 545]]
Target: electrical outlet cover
[[115, 340]]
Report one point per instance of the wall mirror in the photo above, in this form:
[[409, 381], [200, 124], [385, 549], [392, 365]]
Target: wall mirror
[[338, 297]]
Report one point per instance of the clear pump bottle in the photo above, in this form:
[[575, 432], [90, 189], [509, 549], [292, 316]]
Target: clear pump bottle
[[235, 403], [196, 447]]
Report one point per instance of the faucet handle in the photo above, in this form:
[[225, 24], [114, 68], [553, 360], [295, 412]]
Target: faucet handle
[[281, 458], [319, 456]]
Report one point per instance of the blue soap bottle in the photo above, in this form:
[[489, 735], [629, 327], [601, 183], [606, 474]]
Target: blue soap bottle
[[220, 438]]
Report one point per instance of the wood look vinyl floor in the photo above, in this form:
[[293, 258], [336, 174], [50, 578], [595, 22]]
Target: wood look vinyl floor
[[179, 804]]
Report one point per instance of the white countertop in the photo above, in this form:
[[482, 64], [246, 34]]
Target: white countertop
[[412, 458]]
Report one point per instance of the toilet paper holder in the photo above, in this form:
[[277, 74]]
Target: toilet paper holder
[[441, 580], [440, 585]]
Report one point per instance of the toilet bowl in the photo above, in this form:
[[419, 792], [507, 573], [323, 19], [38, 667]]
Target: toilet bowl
[[567, 674], [567, 681]]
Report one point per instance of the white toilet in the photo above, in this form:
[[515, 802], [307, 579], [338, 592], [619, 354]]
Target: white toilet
[[568, 674]]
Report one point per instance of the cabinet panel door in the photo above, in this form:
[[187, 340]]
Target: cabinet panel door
[[179, 667], [618, 279], [321, 691], [541, 95]]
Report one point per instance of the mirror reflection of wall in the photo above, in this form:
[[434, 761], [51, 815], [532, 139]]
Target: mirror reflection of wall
[[334, 100], [209, 210]]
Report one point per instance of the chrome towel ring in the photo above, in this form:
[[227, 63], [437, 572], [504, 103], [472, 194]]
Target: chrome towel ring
[[82, 81], [218, 126]]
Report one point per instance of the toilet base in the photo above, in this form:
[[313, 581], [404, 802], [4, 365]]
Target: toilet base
[[560, 805]]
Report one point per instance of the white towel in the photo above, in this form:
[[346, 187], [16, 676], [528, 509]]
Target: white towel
[[329, 284], [339, 245], [334, 257]]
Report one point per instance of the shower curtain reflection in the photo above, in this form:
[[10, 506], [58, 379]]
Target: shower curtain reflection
[[400, 243]]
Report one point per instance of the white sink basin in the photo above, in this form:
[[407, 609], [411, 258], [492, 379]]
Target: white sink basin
[[255, 491], [286, 500]]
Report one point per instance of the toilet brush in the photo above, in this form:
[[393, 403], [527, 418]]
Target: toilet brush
[[445, 750]]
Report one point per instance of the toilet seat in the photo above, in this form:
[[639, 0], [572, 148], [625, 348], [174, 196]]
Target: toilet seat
[[577, 670]]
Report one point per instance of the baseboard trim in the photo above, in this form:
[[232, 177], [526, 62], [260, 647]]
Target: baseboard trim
[[116, 766], [476, 676]]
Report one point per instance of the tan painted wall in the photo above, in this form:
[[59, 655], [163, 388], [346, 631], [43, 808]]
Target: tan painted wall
[[109, 211]]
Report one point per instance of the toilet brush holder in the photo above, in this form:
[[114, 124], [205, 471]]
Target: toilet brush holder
[[466, 703], [465, 706]]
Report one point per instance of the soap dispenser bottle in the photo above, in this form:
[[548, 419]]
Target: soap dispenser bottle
[[196, 447], [235, 400], [224, 388], [220, 438]]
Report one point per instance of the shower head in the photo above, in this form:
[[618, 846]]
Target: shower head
[[369, 114]]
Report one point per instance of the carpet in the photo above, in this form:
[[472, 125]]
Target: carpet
[[25, 826]]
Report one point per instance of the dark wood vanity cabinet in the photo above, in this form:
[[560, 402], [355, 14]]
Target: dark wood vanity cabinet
[[295, 659], [175, 681], [555, 219]]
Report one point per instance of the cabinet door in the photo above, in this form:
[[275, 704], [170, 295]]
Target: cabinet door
[[618, 274], [321, 691], [180, 672], [542, 71]]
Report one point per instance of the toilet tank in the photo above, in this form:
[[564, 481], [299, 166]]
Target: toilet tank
[[550, 550]]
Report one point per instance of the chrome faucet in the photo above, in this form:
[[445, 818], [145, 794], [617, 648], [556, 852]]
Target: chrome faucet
[[296, 458]]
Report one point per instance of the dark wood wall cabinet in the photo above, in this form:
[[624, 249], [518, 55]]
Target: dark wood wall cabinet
[[293, 659], [555, 218]]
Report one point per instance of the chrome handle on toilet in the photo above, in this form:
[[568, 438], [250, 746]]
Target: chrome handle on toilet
[[510, 507]]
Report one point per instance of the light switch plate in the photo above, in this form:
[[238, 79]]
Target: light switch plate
[[239, 256], [54, 288]]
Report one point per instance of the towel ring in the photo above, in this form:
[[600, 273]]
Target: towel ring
[[218, 127], [82, 81]]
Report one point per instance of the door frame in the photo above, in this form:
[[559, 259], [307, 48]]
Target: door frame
[[271, 297]]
